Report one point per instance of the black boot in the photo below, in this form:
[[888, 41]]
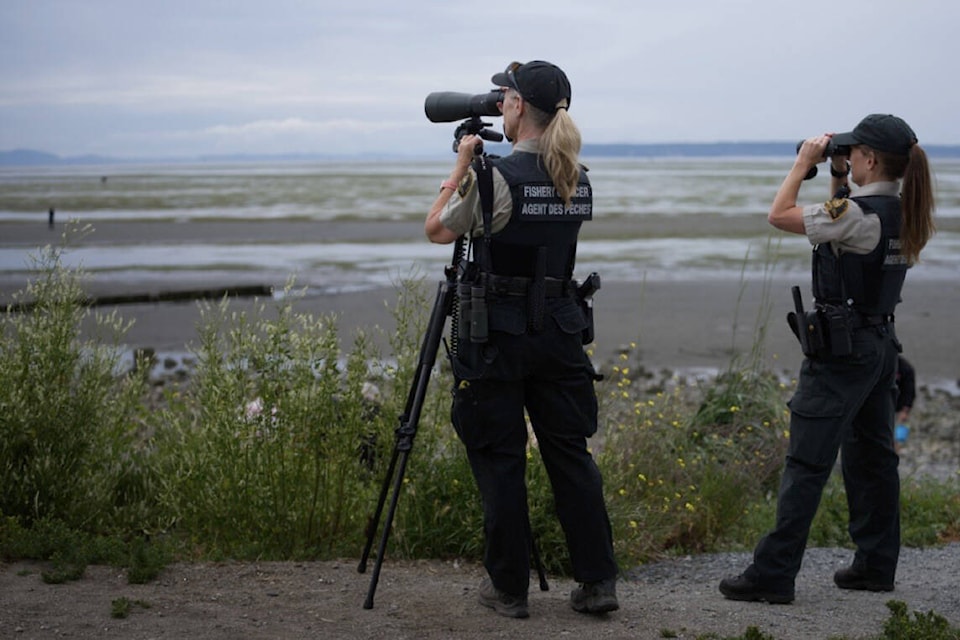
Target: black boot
[[743, 588], [860, 580]]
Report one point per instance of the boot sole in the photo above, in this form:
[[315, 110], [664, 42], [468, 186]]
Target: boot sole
[[757, 596], [866, 586], [507, 611], [597, 605]]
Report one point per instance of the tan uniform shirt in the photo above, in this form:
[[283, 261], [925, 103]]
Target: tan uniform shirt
[[842, 222], [462, 213]]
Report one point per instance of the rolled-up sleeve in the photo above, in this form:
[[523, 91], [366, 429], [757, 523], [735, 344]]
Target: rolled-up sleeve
[[842, 222], [462, 212]]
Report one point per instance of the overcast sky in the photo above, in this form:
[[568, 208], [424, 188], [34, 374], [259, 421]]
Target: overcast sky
[[158, 78]]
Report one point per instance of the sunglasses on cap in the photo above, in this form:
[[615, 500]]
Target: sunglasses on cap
[[510, 70]]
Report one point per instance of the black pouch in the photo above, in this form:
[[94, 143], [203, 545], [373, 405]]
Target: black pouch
[[816, 342], [465, 310], [837, 323], [586, 307], [584, 297]]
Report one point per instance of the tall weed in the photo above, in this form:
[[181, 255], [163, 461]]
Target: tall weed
[[68, 421], [261, 455]]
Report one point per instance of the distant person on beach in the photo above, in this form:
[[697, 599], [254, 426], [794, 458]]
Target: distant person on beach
[[906, 395], [864, 240], [50, 218], [531, 356]]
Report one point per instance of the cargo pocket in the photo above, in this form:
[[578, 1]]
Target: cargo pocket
[[507, 317], [815, 426], [569, 318], [473, 360], [464, 414], [475, 416]]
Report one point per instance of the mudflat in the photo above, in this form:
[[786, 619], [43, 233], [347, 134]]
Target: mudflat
[[664, 324]]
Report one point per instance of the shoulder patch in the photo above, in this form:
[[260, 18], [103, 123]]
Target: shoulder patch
[[465, 184], [836, 207]]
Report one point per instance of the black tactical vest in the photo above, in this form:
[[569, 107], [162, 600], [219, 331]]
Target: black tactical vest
[[539, 220], [871, 281]]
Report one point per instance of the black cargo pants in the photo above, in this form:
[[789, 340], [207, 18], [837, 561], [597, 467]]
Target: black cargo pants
[[549, 376], [844, 404]]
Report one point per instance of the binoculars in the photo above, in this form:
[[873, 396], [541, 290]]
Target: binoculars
[[831, 150]]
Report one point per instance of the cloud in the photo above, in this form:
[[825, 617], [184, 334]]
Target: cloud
[[266, 129], [280, 136], [182, 76]]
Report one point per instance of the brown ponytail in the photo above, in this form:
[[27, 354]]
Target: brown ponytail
[[560, 145], [917, 202]]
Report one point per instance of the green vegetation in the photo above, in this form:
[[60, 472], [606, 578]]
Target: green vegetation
[[899, 626], [276, 447], [922, 626], [122, 607]]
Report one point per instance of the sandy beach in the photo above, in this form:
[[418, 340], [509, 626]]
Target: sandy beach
[[675, 325]]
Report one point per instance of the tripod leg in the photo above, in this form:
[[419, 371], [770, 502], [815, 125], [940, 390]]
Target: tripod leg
[[382, 548], [535, 555], [375, 520], [406, 432], [538, 564]]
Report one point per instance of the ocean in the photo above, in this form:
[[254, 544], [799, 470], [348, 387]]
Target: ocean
[[654, 218]]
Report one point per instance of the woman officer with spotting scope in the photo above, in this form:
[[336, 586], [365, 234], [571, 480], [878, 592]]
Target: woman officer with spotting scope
[[863, 245], [532, 357]]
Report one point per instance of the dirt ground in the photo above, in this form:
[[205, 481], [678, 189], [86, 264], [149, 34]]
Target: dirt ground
[[434, 599]]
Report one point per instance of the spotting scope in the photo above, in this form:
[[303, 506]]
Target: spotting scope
[[450, 106]]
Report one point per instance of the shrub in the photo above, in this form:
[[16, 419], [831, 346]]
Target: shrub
[[261, 455], [681, 472], [67, 419]]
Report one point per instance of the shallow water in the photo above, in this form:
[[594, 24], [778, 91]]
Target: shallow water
[[681, 194]]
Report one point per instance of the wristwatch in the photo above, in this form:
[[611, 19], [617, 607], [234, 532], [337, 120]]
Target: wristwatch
[[839, 174]]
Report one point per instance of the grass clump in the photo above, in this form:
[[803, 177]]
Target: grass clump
[[922, 626], [263, 455], [122, 607]]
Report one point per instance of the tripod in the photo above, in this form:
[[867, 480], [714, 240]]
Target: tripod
[[443, 306], [405, 433]]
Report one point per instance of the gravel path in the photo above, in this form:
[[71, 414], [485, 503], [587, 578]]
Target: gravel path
[[433, 600]]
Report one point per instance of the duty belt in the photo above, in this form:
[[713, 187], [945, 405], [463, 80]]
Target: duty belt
[[518, 286], [859, 320]]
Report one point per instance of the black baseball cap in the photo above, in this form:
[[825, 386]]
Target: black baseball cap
[[542, 84], [882, 132]]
